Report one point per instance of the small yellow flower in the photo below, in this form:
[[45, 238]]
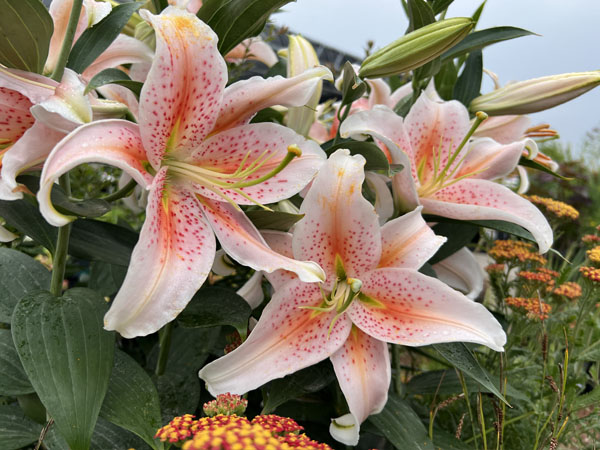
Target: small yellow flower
[[559, 209]]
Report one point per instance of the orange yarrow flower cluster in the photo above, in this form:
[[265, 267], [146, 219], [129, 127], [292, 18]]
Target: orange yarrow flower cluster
[[570, 290], [495, 269], [534, 306], [557, 208], [515, 251], [594, 255], [591, 273], [277, 424], [590, 239]]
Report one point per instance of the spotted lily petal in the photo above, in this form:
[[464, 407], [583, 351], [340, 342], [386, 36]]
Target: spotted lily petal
[[362, 367], [281, 242], [462, 272], [405, 307], [168, 265], [471, 199], [255, 49], [384, 203], [287, 338], [36, 88], [15, 118], [124, 50]]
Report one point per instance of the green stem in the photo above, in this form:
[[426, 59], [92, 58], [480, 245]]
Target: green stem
[[59, 261], [466, 392], [65, 50], [164, 347], [481, 420], [508, 422], [121, 193]]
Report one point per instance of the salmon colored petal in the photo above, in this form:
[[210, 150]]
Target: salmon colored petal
[[399, 94], [168, 265], [245, 98], [226, 151], [408, 242], [435, 129], [182, 95], [124, 50], [242, 241], [485, 200], [380, 93], [15, 118], [409, 308], [362, 367], [30, 151], [255, 49], [338, 220], [286, 339], [384, 203], [281, 242], [113, 142], [462, 272], [487, 159], [504, 129], [123, 95], [36, 88]]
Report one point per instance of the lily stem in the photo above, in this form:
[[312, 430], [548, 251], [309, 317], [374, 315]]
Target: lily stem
[[65, 49], [164, 345], [59, 260], [121, 193]]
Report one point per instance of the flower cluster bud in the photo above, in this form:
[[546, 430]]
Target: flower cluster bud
[[416, 48], [226, 404]]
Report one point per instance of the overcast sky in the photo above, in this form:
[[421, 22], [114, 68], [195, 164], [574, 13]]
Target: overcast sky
[[570, 33]]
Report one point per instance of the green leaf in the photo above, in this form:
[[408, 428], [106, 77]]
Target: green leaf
[[446, 441], [273, 220], [25, 31], [131, 400], [102, 241], [468, 85], [16, 430], [19, 275], [305, 381], [353, 87], [499, 225], [106, 278], [114, 76], [480, 39], [159, 5], [586, 400], [401, 425], [268, 115], [236, 20], [67, 356], [13, 380], [213, 306], [445, 80], [590, 353], [444, 382], [458, 234], [526, 162], [440, 5], [376, 159], [96, 39], [24, 215], [419, 14], [459, 355]]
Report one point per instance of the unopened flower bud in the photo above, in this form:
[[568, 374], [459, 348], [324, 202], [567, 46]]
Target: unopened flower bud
[[226, 404], [538, 94], [416, 48]]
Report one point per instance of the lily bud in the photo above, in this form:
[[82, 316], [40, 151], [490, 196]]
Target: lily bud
[[301, 57], [416, 48], [537, 94]]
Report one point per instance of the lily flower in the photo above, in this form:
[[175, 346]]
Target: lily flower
[[198, 155], [373, 295], [444, 172]]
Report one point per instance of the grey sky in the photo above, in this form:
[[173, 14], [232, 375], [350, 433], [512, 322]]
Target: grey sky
[[570, 32]]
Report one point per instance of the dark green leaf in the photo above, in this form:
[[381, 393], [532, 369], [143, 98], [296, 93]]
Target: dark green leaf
[[114, 76], [445, 80], [401, 425], [305, 381], [477, 14], [446, 441], [268, 115], [419, 14], [525, 162], [96, 39], [25, 31], [102, 241], [376, 159], [131, 400], [159, 5], [16, 430], [32, 406], [13, 380], [429, 383], [458, 234], [459, 355], [213, 306], [273, 220], [24, 215], [468, 85], [353, 87], [500, 225], [19, 275], [590, 353], [586, 400], [236, 20], [106, 278], [440, 5], [480, 39], [67, 356]]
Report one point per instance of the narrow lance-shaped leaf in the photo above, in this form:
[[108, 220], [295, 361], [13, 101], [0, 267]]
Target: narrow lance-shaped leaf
[[114, 76]]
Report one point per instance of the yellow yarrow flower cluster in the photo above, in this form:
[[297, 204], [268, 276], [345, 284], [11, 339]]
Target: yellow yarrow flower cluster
[[594, 255], [559, 209], [591, 273], [516, 252]]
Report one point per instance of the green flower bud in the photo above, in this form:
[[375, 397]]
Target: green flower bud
[[536, 94], [416, 48]]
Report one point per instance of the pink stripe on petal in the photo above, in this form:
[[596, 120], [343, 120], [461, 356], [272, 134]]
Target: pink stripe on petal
[[362, 367], [225, 152], [287, 338], [113, 142], [471, 199], [182, 95], [242, 241], [338, 219], [420, 310], [408, 242], [168, 265], [15, 118]]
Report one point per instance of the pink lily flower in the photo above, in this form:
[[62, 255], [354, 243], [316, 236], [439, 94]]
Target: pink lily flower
[[373, 295], [444, 172], [196, 152]]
